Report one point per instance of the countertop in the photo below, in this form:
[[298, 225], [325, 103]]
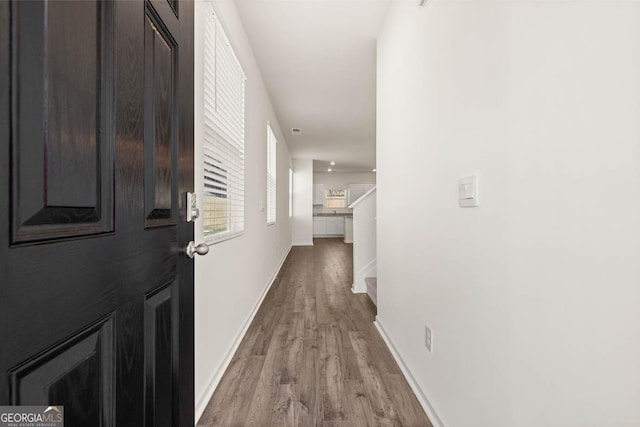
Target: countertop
[[346, 215]]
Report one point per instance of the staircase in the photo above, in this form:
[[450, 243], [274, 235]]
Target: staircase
[[364, 242], [372, 288]]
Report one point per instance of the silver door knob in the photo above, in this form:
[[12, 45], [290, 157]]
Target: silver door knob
[[193, 249]]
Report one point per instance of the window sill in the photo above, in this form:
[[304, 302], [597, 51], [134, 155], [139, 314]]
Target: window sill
[[219, 238]]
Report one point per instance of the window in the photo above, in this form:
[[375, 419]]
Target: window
[[290, 192], [335, 198], [271, 175], [224, 86]]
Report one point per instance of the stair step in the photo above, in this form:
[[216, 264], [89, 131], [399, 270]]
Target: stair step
[[372, 288]]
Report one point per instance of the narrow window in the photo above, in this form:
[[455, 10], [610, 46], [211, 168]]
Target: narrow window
[[290, 192], [224, 93], [271, 175]]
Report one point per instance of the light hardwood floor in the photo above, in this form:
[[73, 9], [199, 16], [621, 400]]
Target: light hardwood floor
[[312, 356]]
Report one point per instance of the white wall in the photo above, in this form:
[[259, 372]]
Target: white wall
[[534, 296], [227, 291], [302, 221]]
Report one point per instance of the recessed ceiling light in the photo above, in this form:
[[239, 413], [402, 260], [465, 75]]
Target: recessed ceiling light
[[333, 163], [375, 170], [329, 170]]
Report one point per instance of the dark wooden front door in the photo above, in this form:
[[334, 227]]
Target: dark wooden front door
[[96, 155]]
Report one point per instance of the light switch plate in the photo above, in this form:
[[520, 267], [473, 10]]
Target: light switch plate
[[468, 191]]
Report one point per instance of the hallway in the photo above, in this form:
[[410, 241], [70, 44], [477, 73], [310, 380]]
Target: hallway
[[312, 356]]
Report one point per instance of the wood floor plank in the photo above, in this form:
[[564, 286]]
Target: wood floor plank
[[266, 388], [234, 374], [346, 355], [331, 377], [374, 386], [299, 299], [309, 385], [312, 356], [406, 404], [231, 411], [292, 350], [284, 413], [360, 412], [310, 318], [264, 328], [323, 312]]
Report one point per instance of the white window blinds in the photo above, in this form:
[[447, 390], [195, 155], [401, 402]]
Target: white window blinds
[[224, 85], [271, 175]]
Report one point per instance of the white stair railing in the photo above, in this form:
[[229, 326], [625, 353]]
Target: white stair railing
[[364, 240]]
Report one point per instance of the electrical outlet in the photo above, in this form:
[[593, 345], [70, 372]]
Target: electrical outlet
[[428, 339]]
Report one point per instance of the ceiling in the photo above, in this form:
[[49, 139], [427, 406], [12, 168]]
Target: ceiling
[[318, 61]]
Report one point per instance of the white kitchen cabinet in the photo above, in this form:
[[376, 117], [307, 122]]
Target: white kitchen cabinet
[[328, 226], [319, 226], [333, 226], [318, 194]]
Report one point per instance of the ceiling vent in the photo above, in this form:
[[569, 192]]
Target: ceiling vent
[[422, 2], [296, 131]]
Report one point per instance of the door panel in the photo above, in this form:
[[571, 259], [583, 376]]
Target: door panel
[[160, 322], [96, 152], [75, 371], [63, 129], [160, 136]]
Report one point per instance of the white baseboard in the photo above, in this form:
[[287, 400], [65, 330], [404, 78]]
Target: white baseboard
[[302, 243], [353, 289], [201, 403], [419, 392]]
